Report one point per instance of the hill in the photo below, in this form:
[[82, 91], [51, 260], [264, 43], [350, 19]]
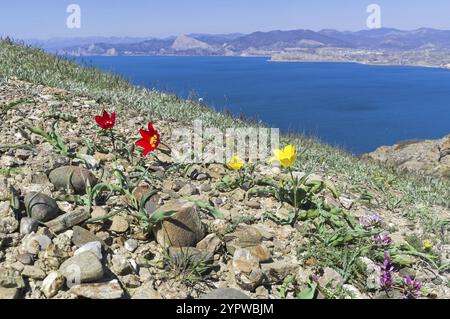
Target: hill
[[150, 227]]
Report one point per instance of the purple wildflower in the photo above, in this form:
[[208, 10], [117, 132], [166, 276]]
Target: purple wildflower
[[387, 276], [370, 220], [382, 240], [411, 287]]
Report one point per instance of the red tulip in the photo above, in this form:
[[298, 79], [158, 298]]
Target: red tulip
[[106, 121], [150, 139]]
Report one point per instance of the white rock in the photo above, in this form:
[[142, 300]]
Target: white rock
[[52, 284], [94, 247], [131, 245], [33, 243]]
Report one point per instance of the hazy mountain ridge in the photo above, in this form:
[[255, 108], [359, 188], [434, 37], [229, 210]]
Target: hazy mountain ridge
[[424, 47]]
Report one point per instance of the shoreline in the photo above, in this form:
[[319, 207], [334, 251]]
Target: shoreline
[[269, 59]]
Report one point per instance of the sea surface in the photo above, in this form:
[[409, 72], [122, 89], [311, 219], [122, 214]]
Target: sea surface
[[357, 107]]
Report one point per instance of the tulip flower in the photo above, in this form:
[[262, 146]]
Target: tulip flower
[[106, 121], [235, 164], [150, 139], [427, 245], [285, 157]]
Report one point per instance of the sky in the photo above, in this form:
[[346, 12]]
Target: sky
[[45, 19]]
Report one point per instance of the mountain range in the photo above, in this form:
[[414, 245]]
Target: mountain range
[[253, 44]]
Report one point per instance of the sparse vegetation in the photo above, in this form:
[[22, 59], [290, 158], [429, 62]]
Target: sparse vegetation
[[332, 235]]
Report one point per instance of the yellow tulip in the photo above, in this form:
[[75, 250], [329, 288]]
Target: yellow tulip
[[427, 244], [285, 157], [235, 164]]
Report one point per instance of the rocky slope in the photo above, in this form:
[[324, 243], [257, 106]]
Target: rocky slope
[[431, 157], [62, 237]]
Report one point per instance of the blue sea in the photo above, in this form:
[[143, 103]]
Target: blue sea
[[357, 107]]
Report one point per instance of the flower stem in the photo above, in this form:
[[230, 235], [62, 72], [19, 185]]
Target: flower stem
[[295, 191], [113, 139]]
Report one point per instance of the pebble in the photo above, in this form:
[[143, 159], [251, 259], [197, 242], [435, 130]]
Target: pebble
[[131, 245], [72, 177], [81, 268], [120, 265], [188, 190], [146, 291], [33, 243], [185, 229], [28, 225], [33, 272], [42, 207], [94, 247], [52, 284], [82, 236], [119, 224], [9, 293], [246, 269], [109, 290], [8, 225]]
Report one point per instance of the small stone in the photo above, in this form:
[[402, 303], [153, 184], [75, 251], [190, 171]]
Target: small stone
[[277, 271], [244, 236], [188, 190], [10, 278], [131, 245], [84, 267], [119, 224], [120, 265], [205, 188], [52, 284], [68, 220], [72, 177], [260, 252], [130, 281], [210, 243], [146, 291], [253, 204], [82, 236], [347, 203], [202, 177], [330, 278], [98, 212], [33, 272], [8, 225], [262, 293], [94, 247], [152, 204], [109, 290], [225, 293], [33, 243], [248, 274], [356, 294], [23, 154], [372, 273], [183, 230], [9, 293], [28, 225], [42, 207], [26, 259]]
